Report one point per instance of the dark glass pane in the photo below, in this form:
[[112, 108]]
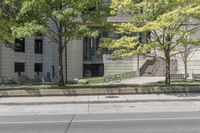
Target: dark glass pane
[[39, 46], [38, 67], [19, 67], [20, 45]]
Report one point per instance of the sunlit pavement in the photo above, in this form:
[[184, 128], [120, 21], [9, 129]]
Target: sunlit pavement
[[182, 122], [138, 80], [162, 114], [108, 107]]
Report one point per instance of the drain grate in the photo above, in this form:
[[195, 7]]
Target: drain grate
[[111, 96]]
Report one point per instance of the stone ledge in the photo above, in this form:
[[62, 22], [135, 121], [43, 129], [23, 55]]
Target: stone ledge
[[98, 91]]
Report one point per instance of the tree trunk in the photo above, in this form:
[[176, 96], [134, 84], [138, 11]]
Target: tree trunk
[[60, 52], [66, 71], [168, 60], [138, 65], [185, 65], [167, 77]]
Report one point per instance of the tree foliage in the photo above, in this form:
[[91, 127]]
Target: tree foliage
[[8, 19], [59, 20], [74, 16], [163, 19]]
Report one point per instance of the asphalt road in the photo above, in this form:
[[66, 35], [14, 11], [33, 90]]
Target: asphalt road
[[182, 122]]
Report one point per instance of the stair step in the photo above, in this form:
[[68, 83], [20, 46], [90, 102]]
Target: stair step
[[158, 68]]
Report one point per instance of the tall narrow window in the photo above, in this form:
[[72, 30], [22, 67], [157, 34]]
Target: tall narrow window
[[20, 45], [53, 69], [19, 67], [38, 67], [38, 46]]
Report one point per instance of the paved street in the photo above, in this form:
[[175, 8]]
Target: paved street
[[176, 106], [158, 115], [187, 122]]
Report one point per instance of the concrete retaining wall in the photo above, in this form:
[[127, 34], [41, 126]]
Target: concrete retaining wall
[[97, 91]]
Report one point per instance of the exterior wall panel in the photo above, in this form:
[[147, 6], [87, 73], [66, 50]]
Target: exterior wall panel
[[75, 59]]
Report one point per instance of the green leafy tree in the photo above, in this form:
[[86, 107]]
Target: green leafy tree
[[71, 19], [188, 51], [8, 20], [162, 19]]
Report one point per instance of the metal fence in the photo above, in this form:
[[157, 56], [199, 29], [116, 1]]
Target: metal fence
[[116, 78]]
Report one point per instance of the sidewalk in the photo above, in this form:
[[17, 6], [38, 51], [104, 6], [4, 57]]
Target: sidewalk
[[100, 99]]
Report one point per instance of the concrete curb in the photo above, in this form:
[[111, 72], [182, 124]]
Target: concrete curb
[[98, 102], [98, 91]]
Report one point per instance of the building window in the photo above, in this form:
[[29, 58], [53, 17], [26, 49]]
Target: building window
[[20, 45], [38, 46], [93, 70], [38, 67], [19, 67]]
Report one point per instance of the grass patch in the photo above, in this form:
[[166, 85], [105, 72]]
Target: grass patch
[[40, 83], [125, 86], [103, 86], [95, 80]]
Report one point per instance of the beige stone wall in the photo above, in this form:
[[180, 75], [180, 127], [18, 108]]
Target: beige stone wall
[[194, 57], [193, 64], [49, 58], [7, 66], [1, 58], [9, 57], [75, 59], [114, 65]]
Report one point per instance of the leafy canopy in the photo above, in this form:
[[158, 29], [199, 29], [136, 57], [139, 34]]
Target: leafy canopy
[[8, 19], [69, 19], [169, 23]]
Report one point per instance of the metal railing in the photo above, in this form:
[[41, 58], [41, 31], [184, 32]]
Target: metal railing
[[116, 78]]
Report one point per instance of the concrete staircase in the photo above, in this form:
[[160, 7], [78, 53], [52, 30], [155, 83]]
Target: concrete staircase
[[156, 68], [149, 66]]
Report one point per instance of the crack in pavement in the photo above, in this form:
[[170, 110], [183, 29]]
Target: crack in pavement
[[68, 126]]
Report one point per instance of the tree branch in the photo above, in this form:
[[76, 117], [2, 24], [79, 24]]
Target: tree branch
[[157, 37]]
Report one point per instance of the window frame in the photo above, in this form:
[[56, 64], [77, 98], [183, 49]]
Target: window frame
[[38, 47]]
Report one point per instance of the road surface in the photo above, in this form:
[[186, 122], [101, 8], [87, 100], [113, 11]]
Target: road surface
[[157, 122]]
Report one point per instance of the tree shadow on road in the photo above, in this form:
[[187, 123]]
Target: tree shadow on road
[[189, 94]]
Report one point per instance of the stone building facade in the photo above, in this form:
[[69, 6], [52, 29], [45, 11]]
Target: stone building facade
[[37, 58]]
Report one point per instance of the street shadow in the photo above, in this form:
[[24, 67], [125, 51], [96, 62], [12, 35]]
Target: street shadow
[[187, 94]]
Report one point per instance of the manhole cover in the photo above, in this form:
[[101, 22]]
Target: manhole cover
[[111, 96]]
